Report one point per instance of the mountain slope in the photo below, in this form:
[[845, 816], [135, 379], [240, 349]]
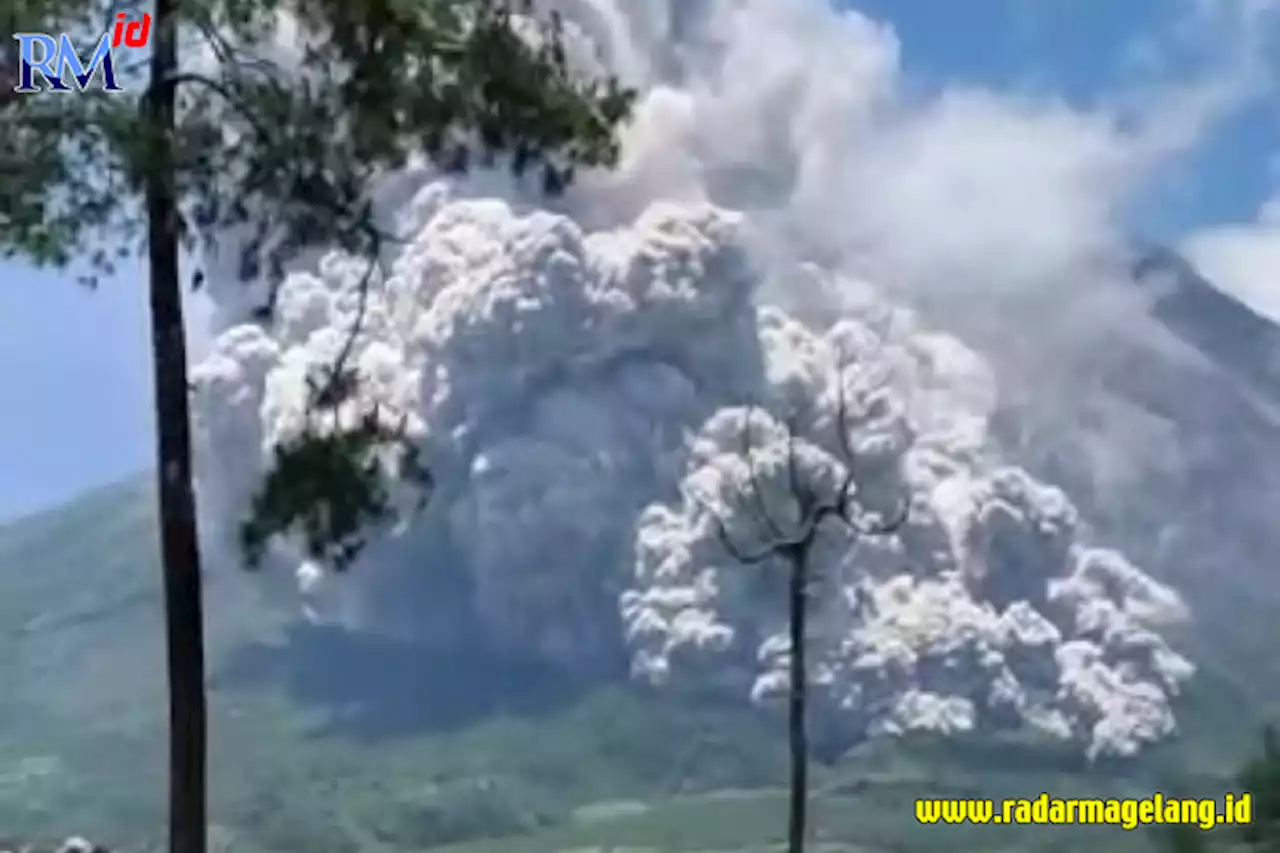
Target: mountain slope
[[1239, 340], [80, 610], [81, 650], [1189, 483], [85, 707]]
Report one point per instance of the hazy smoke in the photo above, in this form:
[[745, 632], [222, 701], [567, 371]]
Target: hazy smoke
[[986, 606], [576, 376]]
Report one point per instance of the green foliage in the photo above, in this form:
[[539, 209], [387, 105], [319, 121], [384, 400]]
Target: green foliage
[[1184, 838], [80, 590], [288, 158], [292, 153], [1261, 776], [328, 488], [277, 785]]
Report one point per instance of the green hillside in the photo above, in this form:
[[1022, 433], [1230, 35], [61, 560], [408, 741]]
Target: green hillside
[[82, 713], [80, 606]]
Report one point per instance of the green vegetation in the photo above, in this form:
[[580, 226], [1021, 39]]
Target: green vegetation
[[82, 749], [194, 150]]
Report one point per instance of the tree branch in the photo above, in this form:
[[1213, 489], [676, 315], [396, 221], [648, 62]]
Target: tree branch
[[726, 541], [839, 503], [362, 223], [755, 488], [887, 526]]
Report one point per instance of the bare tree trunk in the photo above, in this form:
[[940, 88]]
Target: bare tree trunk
[[178, 533], [796, 718]]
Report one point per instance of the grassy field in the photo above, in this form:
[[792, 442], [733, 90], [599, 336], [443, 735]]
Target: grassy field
[[82, 748]]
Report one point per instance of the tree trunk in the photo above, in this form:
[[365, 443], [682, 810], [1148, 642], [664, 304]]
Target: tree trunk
[[796, 719], [178, 534]]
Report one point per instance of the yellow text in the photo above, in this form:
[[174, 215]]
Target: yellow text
[[1132, 813]]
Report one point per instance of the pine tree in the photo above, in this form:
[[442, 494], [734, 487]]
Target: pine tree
[[97, 177]]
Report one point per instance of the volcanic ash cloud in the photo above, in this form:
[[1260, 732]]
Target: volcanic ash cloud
[[581, 397]]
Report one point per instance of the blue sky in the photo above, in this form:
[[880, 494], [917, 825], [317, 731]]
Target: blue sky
[[74, 364], [76, 379], [1079, 49]]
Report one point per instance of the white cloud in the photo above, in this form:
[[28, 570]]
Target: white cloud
[[1243, 260], [568, 372]]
